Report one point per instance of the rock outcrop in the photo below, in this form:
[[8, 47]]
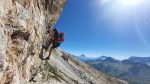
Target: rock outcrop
[[23, 26]]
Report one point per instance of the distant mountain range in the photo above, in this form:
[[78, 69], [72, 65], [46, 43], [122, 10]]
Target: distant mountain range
[[135, 70], [84, 58], [144, 60]]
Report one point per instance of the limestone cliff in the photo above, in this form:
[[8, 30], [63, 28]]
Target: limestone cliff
[[23, 25]]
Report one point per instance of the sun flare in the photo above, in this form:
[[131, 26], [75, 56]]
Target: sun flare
[[130, 2]]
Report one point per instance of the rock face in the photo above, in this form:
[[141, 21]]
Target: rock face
[[23, 26]]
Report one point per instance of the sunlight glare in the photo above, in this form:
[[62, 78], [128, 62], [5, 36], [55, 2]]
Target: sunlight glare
[[130, 2]]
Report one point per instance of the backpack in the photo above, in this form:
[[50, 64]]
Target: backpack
[[58, 38], [61, 37]]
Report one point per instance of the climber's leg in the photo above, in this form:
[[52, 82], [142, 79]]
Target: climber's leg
[[49, 53], [47, 43], [49, 39]]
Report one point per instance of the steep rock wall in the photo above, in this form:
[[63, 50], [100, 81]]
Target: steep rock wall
[[22, 27]]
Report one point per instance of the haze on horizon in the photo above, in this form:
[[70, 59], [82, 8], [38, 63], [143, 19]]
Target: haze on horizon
[[116, 28]]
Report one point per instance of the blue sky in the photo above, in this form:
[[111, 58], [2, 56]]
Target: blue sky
[[106, 27]]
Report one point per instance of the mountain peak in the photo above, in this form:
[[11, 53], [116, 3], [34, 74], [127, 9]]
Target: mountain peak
[[102, 57], [82, 55], [110, 59]]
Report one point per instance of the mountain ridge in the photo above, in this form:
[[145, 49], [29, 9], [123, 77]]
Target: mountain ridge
[[133, 72]]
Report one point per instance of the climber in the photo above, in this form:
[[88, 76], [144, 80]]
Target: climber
[[58, 38], [49, 39]]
